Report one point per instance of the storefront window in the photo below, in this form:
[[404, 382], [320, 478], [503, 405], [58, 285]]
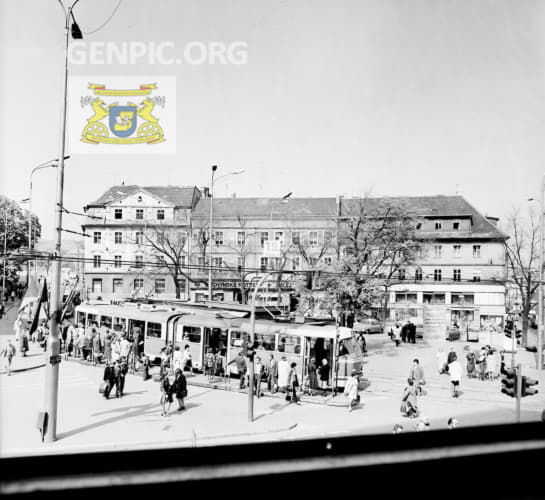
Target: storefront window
[[290, 344]]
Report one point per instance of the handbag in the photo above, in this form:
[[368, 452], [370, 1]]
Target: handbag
[[102, 387], [403, 408]]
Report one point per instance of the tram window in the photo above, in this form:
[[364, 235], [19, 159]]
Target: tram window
[[192, 334], [265, 341], [236, 338], [290, 344], [154, 330], [81, 317], [119, 324], [91, 318], [105, 321]]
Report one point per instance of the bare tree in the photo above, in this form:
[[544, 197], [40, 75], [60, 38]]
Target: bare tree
[[523, 261]]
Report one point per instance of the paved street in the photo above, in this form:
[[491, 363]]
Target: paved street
[[89, 422]]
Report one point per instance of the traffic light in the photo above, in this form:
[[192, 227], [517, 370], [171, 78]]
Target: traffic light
[[509, 381], [527, 389]]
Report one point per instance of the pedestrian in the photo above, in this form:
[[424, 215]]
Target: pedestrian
[[312, 377], [97, 354], [240, 363], [163, 368], [187, 363], [13, 295], [411, 332], [179, 388], [166, 394], [109, 379], [396, 333], [146, 363], [323, 371], [404, 332], [23, 342], [417, 374], [219, 370], [272, 375], [7, 354], [117, 378], [87, 347], [293, 383], [108, 348], [481, 363], [441, 361], [125, 347], [259, 370], [450, 357], [409, 406], [209, 363], [491, 365], [351, 390], [124, 369], [283, 374], [470, 365], [455, 371], [177, 359]]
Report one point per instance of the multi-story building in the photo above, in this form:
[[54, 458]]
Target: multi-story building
[[126, 228]]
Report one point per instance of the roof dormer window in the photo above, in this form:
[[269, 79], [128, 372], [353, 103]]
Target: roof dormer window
[[139, 199], [438, 226], [456, 225]]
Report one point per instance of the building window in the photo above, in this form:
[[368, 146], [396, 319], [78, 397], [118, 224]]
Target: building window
[[117, 261], [418, 274], [139, 261], [161, 239], [437, 251], [138, 283], [295, 263], [117, 285], [160, 214], [241, 238], [118, 213], [217, 261], [313, 238], [264, 262], [118, 237], [457, 275], [160, 286], [295, 238], [139, 213], [477, 276], [97, 237], [97, 285], [476, 251], [456, 225], [433, 298], [456, 249], [96, 260], [437, 275], [313, 261], [279, 236], [218, 238], [264, 236], [438, 226], [139, 237], [327, 261], [419, 252]]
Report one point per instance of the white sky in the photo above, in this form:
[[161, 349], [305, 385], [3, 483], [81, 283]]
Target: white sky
[[404, 97]]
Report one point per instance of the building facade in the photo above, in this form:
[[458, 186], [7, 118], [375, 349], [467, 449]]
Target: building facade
[[132, 231]]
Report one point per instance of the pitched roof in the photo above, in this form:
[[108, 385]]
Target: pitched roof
[[175, 195], [420, 206], [263, 207]]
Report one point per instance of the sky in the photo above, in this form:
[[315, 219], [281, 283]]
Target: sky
[[392, 97]]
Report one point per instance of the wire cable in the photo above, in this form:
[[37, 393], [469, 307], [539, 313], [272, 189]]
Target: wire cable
[[105, 22]]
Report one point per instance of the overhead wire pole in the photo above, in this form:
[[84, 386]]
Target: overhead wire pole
[[49, 431], [5, 253]]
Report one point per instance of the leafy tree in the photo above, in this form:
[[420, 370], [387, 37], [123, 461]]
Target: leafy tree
[[17, 235], [522, 250]]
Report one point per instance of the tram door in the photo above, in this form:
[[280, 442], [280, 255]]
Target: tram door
[[215, 338]]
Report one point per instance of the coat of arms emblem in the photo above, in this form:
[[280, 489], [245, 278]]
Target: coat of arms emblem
[[116, 123]]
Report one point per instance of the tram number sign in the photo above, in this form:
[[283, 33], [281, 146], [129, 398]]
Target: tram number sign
[[55, 359]]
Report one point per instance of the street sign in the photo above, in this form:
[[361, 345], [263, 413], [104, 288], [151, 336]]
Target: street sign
[[55, 359]]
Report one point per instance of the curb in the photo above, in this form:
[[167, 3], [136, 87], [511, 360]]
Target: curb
[[127, 445]]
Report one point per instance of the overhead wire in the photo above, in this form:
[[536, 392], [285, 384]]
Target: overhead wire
[[105, 22]]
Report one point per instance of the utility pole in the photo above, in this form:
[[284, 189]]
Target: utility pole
[[540, 311], [519, 391], [53, 342], [210, 236], [5, 253]]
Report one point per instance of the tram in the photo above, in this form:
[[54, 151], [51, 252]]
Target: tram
[[223, 331]]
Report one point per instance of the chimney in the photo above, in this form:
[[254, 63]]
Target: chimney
[[205, 191]]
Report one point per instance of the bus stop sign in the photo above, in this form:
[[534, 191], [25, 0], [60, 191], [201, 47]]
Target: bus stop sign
[[55, 359]]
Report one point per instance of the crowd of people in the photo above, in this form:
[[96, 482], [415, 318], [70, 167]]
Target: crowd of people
[[405, 332]]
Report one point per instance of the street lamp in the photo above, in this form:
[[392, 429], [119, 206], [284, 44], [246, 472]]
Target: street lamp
[[49, 429], [210, 232]]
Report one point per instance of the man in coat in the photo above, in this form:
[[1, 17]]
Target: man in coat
[[109, 378], [240, 363], [417, 376], [411, 332], [272, 375]]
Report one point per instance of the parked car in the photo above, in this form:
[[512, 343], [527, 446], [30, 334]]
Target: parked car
[[368, 325]]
